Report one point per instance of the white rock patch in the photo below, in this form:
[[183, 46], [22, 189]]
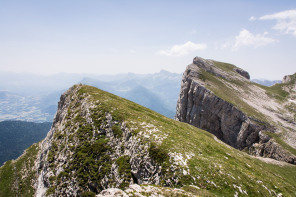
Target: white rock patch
[[152, 132], [142, 191], [179, 159]]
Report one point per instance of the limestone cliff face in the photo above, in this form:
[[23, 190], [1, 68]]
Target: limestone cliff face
[[202, 108], [104, 145]]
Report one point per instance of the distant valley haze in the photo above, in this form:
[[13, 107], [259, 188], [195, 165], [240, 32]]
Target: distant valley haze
[[111, 37], [147, 98], [134, 49], [32, 97]]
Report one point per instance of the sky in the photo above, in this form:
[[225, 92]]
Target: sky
[[128, 36]]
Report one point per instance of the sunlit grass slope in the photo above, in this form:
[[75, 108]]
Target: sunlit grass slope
[[210, 168], [215, 166]]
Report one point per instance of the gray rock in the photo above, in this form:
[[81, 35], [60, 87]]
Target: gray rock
[[201, 108], [242, 73], [144, 170]]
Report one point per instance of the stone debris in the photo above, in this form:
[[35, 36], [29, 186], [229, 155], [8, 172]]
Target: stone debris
[[142, 191]]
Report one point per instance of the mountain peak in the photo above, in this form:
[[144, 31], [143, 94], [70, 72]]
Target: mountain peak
[[103, 145], [219, 98], [220, 69]]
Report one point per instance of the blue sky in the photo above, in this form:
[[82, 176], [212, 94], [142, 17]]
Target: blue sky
[[109, 37]]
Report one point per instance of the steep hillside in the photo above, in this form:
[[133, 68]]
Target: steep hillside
[[16, 136], [219, 98], [101, 144]]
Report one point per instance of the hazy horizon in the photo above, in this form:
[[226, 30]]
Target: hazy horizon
[[144, 37], [111, 74]]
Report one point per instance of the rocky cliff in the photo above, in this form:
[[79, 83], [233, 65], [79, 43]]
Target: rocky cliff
[[104, 145], [219, 98], [89, 148]]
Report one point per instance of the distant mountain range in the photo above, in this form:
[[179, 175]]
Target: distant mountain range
[[266, 82], [101, 144], [34, 98], [158, 91]]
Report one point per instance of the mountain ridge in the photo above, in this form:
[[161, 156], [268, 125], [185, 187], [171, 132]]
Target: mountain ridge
[[219, 98], [21, 98], [101, 145]]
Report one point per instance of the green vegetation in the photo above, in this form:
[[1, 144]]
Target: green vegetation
[[117, 131], [215, 168], [225, 66], [124, 169], [87, 194], [17, 177], [276, 91], [17, 136], [90, 159], [90, 162], [158, 154], [197, 192], [218, 86], [203, 166], [278, 139], [123, 165]]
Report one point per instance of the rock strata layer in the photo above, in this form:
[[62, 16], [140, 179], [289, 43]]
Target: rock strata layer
[[200, 107]]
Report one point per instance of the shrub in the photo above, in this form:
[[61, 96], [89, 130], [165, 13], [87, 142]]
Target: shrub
[[158, 154], [117, 131]]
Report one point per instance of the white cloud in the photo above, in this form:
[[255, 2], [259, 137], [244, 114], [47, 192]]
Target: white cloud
[[246, 38], [286, 21], [252, 18], [182, 49]]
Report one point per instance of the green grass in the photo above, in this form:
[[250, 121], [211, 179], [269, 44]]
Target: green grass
[[225, 66], [276, 91], [16, 177], [215, 167], [124, 169], [279, 140], [219, 88], [158, 154]]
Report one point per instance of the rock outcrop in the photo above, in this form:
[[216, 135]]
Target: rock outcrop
[[104, 145], [202, 108], [242, 73], [290, 80], [89, 148]]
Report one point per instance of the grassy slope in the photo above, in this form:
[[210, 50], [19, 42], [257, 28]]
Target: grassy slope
[[215, 167], [11, 173], [218, 86], [276, 92]]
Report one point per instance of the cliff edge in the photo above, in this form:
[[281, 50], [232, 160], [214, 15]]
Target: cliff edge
[[219, 98], [103, 145]]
